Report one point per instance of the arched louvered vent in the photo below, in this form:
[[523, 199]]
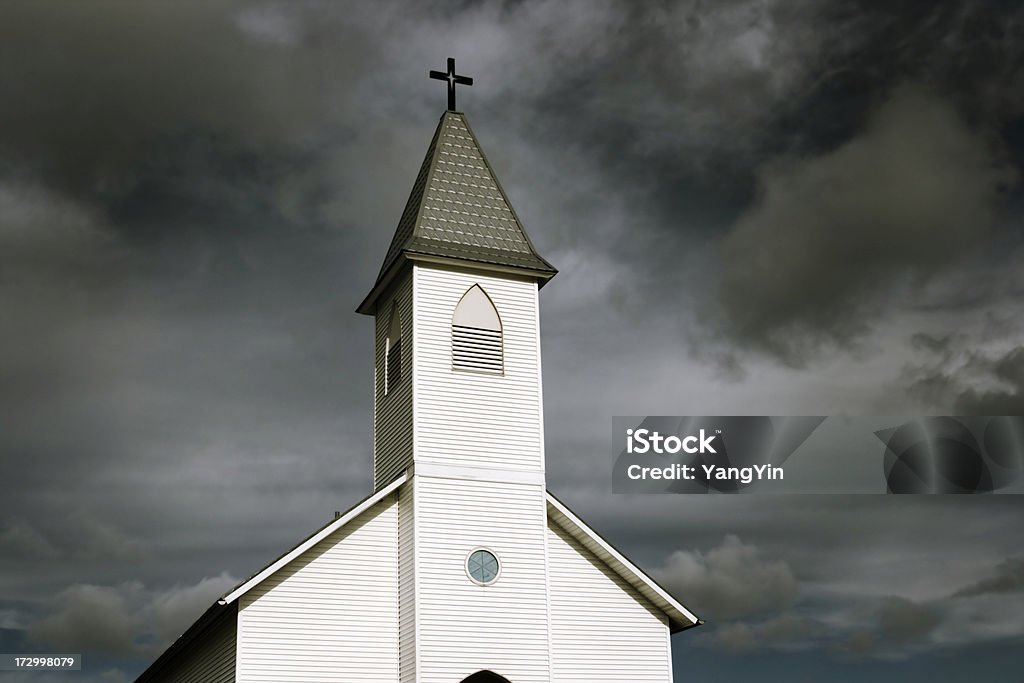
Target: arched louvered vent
[[393, 352], [476, 334]]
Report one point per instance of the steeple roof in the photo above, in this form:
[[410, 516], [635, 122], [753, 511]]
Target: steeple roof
[[458, 211]]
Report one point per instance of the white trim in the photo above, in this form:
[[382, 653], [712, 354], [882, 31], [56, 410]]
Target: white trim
[[238, 639], [540, 380], [416, 578], [415, 278], [312, 540], [495, 474], [668, 649], [547, 583], [635, 574]]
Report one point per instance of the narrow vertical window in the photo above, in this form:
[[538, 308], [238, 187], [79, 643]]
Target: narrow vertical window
[[393, 352], [476, 334]]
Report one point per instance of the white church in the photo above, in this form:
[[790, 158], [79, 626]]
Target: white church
[[460, 567]]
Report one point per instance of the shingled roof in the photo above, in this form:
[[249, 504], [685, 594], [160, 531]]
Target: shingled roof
[[457, 210]]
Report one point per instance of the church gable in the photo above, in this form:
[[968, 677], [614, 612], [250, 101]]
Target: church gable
[[332, 608], [601, 627], [569, 526]]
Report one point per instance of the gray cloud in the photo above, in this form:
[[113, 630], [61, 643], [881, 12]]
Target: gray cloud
[[92, 104], [90, 617], [172, 611], [785, 630], [125, 619], [807, 263], [970, 373], [901, 620], [1009, 370], [1007, 578], [20, 539], [730, 580]]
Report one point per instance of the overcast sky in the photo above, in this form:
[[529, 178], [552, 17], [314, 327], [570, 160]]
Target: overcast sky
[[756, 207]]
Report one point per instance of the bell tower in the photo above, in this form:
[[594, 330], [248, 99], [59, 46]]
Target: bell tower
[[457, 363]]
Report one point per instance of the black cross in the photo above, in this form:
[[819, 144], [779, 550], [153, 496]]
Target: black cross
[[452, 81]]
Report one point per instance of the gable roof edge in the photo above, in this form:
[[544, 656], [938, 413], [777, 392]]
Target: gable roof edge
[[680, 618], [327, 530]]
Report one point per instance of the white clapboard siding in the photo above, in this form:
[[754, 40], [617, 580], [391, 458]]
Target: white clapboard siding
[[392, 415], [465, 627], [209, 658], [464, 417], [406, 585], [331, 614], [602, 629]]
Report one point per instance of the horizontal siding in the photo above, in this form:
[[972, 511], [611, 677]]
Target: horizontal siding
[[332, 613], [392, 415], [465, 627], [602, 629], [476, 418], [210, 658]]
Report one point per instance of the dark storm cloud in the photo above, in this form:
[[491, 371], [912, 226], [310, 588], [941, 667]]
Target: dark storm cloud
[[126, 619], [901, 620], [166, 243], [1009, 369], [93, 88], [897, 622], [91, 617], [811, 261], [786, 630], [1007, 578], [970, 373]]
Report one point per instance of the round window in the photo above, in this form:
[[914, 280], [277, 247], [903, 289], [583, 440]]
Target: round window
[[482, 566]]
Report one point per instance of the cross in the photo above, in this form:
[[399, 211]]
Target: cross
[[452, 81]]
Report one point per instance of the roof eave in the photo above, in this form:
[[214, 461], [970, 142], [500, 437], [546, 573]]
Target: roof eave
[[369, 304], [540, 275], [312, 540], [212, 614], [679, 617]]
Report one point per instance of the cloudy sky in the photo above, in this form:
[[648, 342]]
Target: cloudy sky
[[756, 207]]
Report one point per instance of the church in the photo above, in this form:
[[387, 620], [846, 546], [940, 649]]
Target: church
[[460, 567]]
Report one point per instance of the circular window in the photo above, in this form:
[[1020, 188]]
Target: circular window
[[482, 566]]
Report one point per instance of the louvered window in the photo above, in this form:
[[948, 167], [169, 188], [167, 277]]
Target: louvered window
[[476, 334], [393, 352]]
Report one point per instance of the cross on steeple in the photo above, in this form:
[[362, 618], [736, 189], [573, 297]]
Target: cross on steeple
[[452, 81]]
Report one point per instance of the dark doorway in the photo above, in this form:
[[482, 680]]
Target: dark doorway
[[486, 677]]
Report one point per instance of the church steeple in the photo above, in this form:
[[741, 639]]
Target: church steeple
[[458, 212], [457, 353]]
